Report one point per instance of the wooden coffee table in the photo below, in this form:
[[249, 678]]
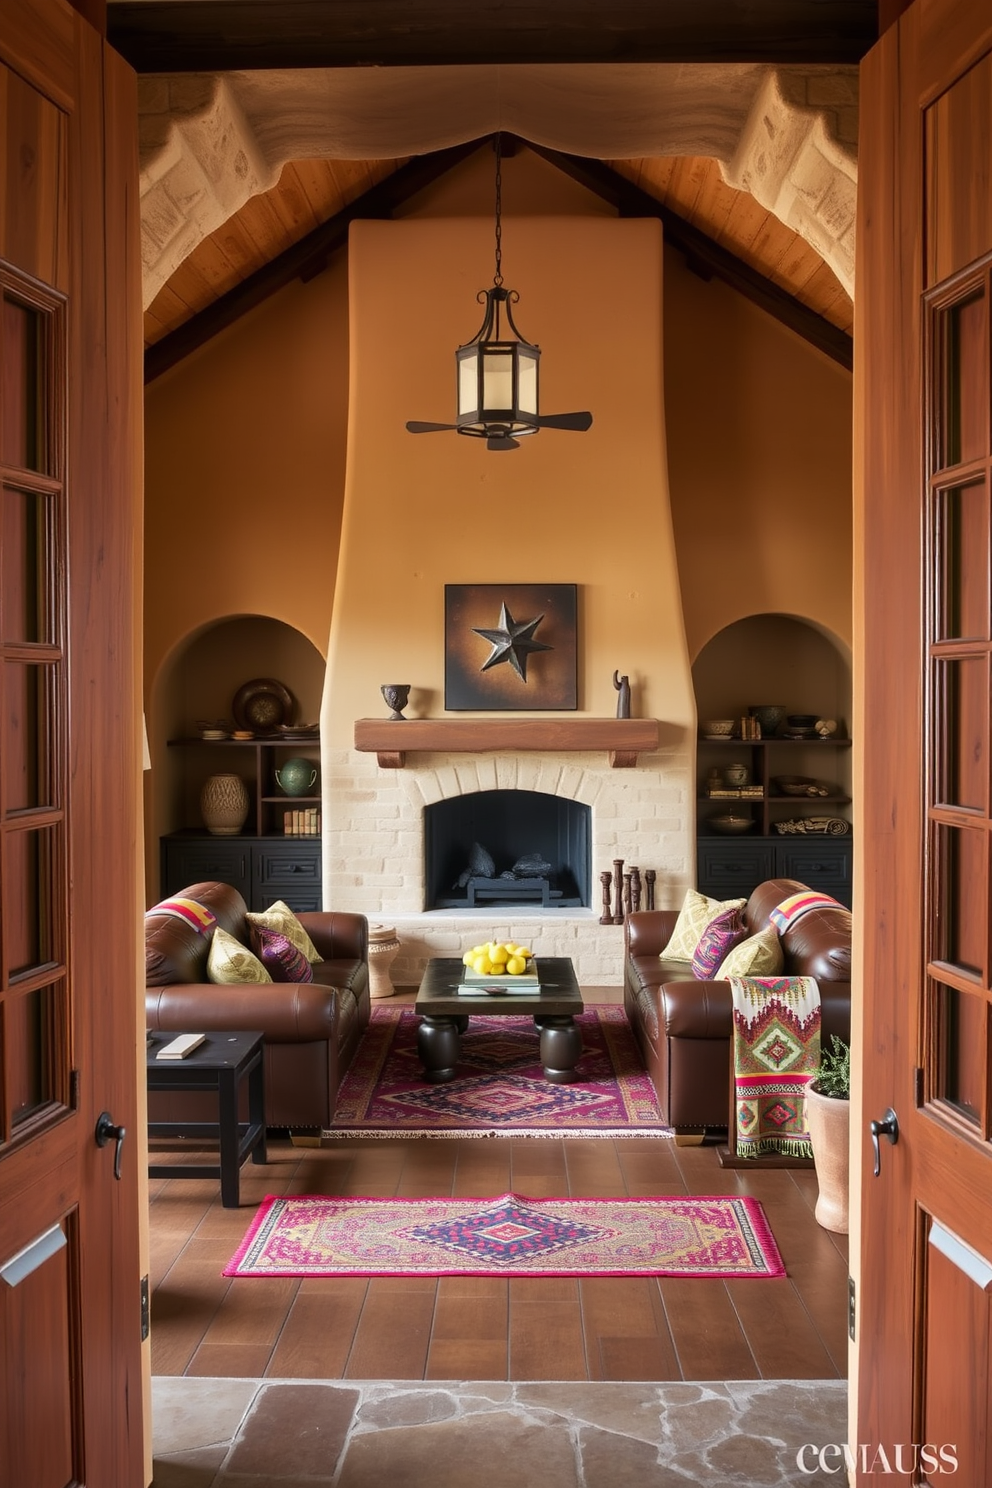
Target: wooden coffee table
[[445, 1014]]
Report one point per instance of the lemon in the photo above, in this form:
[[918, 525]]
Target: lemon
[[524, 952], [468, 958], [481, 964], [497, 968], [516, 965], [499, 955]]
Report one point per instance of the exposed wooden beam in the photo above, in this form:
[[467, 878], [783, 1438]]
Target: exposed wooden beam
[[302, 260], [704, 256], [310, 256], [221, 35]]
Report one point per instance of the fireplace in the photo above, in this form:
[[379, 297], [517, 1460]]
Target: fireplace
[[508, 826]]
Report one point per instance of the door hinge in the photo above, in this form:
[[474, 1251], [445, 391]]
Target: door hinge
[[144, 1308], [851, 1308]]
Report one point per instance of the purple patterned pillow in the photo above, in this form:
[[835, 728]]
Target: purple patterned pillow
[[280, 957], [719, 937]]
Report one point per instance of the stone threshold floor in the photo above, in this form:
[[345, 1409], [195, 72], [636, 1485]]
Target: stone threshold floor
[[219, 1433]]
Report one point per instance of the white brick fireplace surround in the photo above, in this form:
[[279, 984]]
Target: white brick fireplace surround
[[374, 847]]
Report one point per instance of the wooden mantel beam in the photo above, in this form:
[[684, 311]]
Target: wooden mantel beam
[[391, 740]]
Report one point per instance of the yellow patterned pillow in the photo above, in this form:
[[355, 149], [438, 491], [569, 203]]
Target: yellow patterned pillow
[[280, 918], [229, 961], [695, 915], [759, 955]]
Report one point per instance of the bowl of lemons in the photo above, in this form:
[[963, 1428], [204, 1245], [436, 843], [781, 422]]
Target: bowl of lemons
[[499, 958]]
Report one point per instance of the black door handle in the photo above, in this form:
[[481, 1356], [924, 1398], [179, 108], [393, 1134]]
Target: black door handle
[[887, 1127], [106, 1132]]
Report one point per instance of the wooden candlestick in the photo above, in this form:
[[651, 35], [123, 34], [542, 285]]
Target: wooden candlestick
[[606, 879], [618, 891], [635, 889], [626, 894], [649, 878]]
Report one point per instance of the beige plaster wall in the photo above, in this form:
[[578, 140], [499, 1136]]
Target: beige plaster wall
[[589, 509], [759, 452]]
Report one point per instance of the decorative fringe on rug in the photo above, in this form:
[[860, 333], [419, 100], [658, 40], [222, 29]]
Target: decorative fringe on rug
[[619, 1134]]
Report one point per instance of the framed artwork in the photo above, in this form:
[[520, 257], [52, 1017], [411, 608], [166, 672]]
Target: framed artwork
[[510, 646]]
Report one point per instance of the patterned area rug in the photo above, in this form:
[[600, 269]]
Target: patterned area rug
[[508, 1236], [500, 1089]]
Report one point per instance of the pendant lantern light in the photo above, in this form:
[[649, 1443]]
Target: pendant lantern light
[[497, 380]]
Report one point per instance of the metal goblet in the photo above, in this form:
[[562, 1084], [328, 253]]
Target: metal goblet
[[397, 695]]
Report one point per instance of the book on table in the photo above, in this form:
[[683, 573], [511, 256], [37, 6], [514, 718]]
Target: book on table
[[473, 983]]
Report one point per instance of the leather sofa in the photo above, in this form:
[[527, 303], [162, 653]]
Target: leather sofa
[[685, 1027], [311, 1029]]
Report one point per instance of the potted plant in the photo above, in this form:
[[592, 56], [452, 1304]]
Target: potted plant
[[828, 1107]]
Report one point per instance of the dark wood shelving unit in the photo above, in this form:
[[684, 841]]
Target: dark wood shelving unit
[[734, 864], [263, 862]]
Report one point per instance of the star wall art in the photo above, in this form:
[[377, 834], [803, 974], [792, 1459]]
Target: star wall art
[[510, 647]]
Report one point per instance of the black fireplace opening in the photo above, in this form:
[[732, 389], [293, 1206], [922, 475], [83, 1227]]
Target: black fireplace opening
[[507, 847]]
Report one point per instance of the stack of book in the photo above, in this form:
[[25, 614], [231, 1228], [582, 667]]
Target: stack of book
[[473, 984], [736, 792], [304, 822]]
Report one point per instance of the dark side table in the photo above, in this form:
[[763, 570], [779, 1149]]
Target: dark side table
[[220, 1064]]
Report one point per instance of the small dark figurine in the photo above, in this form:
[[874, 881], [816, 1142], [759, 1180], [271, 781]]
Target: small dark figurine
[[622, 685]]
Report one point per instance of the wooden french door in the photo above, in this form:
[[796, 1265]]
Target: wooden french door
[[70, 1312], [924, 390]]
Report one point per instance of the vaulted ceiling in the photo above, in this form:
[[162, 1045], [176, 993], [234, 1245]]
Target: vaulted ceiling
[[292, 224]]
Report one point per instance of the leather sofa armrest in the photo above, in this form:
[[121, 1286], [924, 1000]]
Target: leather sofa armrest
[[286, 1012], [338, 936], [647, 932], [704, 1010]]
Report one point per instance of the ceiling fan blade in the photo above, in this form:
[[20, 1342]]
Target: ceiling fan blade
[[414, 426], [501, 442], [579, 421]]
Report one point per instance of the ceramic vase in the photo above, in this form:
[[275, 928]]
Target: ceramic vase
[[829, 1121], [224, 805], [383, 945]]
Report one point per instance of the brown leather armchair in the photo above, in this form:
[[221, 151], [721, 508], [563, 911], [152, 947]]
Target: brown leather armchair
[[685, 1028], [311, 1029]]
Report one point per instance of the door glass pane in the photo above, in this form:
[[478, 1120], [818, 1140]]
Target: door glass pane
[[26, 773], [962, 1045], [963, 564], [960, 900], [27, 890], [23, 552], [21, 419], [962, 687], [28, 1019], [965, 381]]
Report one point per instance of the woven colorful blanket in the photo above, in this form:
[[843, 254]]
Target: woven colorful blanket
[[189, 911], [776, 1055]]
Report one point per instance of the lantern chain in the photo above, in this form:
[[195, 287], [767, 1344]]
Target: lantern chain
[[498, 277]]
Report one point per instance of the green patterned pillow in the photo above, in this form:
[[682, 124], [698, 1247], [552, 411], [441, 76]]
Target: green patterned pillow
[[229, 961], [759, 955], [280, 918], [696, 914]]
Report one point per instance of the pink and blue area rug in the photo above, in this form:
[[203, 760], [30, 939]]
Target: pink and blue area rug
[[499, 1088], [511, 1236]]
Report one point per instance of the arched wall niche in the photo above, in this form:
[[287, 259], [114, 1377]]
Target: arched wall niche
[[774, 658], [197, 681]]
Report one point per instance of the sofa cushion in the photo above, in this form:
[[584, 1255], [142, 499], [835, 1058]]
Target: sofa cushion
[[717, 940], [229, 961], [284, 961], [759, 955], [696, 914], [280, 917]]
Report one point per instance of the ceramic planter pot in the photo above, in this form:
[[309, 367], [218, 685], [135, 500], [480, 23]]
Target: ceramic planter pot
[[829, 1122], [224, 805]]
